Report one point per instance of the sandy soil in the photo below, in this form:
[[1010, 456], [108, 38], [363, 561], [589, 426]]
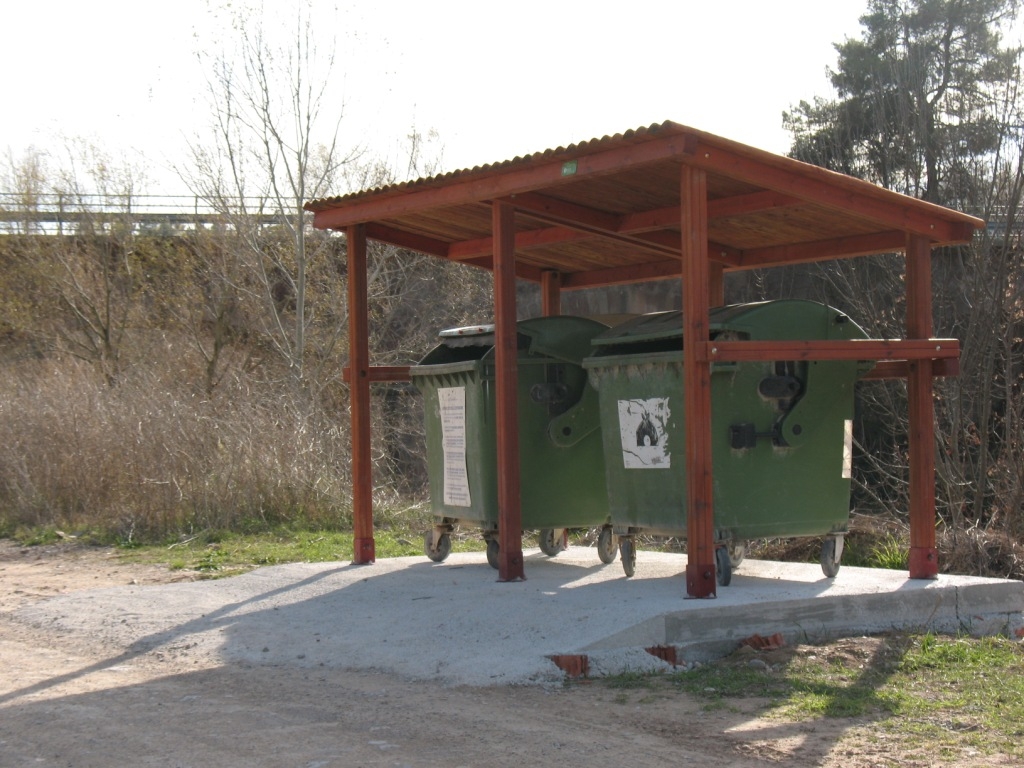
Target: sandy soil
[[73, 700]]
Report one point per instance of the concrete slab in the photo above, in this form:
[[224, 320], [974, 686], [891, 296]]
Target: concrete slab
[[798, 602], [454, 623]]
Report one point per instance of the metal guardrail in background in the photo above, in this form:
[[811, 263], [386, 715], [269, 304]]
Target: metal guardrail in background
[[66, 214]]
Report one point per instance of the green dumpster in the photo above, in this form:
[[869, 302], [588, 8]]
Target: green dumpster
[[560, 447], [781, 431]]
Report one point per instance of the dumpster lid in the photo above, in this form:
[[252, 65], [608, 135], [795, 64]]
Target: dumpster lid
[[467, 330], [468, 336], [561, 337], [650, 327]]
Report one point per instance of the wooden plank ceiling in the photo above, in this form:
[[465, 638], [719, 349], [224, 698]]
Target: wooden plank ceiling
[[607, 211]]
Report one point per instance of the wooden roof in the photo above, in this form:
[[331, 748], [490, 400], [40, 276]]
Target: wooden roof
[[607, 210]]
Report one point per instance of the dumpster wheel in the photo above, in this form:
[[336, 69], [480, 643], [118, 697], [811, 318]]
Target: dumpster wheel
[[627, 551], [723, 566], [607, 546], [492, 553], [737, 551], [440, 552], [552, 541], [831, 554]]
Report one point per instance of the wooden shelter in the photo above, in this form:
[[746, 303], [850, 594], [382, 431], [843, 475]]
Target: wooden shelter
[[659, 202]]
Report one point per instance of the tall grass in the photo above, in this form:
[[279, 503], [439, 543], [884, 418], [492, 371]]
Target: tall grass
[[150, 457]]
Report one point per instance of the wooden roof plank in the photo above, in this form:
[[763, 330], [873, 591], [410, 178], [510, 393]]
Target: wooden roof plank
[[608, 206], [551, 210], [529, 175], [524, 271], [525, 240], [854, 197], [752, 203]]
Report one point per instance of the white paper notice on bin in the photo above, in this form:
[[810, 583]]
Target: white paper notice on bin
[[848, 449], [452, 401]]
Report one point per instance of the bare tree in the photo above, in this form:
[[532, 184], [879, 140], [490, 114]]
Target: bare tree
[[23, 183], [89, 269], [274, 145]]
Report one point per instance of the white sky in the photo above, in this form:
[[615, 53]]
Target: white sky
[[495, 80]]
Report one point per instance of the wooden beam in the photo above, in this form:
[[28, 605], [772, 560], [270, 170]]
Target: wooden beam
[[523, 271], [590, 220], [364, 550], [646, 221], [525, 240], [838, 349], [820, 250], [550, 293], [536, 173], [663, 241], [634, 273], [475, 251], [510, 528], [727, 255], [668, 218], [640, 227], [639, 231], [379, 373], [408, 240], [923, 560], [550, 208], [838, 192], [716, 284], [529, 272], [700, 544], [755, 202]]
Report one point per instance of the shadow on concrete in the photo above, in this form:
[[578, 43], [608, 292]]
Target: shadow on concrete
[[280, 631]]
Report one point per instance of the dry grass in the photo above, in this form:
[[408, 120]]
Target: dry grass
[[151, 457], [883, 541]]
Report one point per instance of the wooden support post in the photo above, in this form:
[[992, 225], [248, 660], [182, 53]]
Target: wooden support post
[[359, 389], [716, 284], [700, 544], [510, 527], [924, 560], [550, 293]]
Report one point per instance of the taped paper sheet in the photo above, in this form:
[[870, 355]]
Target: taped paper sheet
[[848, 449], [452, 401]]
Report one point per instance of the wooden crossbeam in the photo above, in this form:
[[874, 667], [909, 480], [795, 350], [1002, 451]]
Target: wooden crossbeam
[[379, 373], [840, 349], [593, 221], [841, 247]]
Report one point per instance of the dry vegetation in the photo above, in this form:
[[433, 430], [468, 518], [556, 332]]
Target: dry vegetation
[[115, 426], [152, 456]]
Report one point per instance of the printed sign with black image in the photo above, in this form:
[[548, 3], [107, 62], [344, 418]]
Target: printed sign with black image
[[642, 426]]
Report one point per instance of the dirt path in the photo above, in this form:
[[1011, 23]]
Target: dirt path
[[72, 700]]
